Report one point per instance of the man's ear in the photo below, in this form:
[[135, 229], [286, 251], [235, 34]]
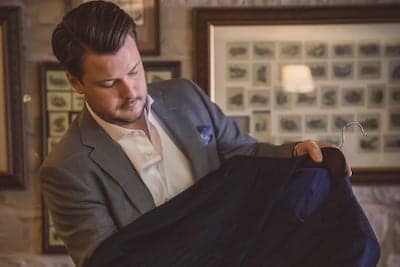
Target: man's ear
[[75, 83]]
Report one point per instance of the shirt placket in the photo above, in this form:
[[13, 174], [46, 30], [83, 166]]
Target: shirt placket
[[146, 160]]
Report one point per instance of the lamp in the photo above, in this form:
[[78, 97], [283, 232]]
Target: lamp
[[297, 78]]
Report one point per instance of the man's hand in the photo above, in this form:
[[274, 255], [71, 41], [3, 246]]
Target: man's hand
[[313, 148]]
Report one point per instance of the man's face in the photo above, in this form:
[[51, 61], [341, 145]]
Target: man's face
[[114, 85]]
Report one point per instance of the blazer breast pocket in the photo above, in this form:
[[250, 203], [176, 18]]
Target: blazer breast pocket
[[206, 133]]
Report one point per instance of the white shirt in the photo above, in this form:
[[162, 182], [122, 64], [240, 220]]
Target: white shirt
[[164, 169]]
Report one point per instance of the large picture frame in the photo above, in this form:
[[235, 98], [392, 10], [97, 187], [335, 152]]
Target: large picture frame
[[146, 14], [352, 54], [12, 165]]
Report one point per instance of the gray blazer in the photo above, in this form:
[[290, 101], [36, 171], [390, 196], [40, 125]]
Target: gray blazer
[[91, 187]]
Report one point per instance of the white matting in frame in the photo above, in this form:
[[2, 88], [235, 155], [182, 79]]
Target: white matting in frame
[[352, 57]]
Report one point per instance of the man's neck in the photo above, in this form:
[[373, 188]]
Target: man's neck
[[141, 124]]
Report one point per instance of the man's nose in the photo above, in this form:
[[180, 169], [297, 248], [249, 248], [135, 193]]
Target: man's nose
[[127, 88]]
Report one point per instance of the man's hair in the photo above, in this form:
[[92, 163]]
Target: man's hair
[[95, 26]]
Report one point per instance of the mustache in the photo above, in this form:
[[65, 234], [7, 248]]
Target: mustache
[[131, 101]]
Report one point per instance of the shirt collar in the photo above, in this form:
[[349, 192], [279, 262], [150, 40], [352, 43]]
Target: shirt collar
[[116, 132]]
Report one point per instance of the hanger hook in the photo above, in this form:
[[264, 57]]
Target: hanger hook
[[348, 125]]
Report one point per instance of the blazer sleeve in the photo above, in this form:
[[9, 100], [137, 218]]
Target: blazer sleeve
[[231, 142], [78, 210]]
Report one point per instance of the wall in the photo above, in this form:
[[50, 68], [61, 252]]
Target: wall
[[20, 220]]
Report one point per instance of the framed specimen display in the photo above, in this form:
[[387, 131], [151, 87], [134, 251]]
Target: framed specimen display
[[302, 73]]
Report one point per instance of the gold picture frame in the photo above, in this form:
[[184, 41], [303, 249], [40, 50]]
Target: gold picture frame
[[12, 165]]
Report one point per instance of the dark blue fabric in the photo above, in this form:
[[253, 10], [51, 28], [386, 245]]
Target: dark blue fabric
[[306, 191], [250, 212]]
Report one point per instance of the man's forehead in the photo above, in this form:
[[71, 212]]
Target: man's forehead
[[121, 61]]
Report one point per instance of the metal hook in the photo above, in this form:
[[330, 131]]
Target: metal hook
[[348, 125]]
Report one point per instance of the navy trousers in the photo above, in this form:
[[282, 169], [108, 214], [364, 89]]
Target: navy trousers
[[250, 212]]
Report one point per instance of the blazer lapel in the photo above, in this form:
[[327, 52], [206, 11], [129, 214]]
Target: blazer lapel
[[109, 155], [184, 134]]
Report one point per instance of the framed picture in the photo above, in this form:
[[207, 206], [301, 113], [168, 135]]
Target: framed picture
[[147, 19], [350, 62], [51, 242], [161, 70], [60, 104], [12, 165]]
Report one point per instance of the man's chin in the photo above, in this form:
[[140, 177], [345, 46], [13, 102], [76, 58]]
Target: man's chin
[[123, 122], [127, 120]]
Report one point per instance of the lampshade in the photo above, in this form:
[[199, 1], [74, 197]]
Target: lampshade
[[297, 78]]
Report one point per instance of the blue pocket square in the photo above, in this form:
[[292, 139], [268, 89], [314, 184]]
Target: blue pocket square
[[206, 133]]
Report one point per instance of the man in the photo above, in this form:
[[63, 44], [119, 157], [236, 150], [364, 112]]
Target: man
[[131, 149]]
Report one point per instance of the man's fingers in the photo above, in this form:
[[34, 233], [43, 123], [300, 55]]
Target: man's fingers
[[309, 147], [314, 150]]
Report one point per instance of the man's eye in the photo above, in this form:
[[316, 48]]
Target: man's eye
[[107, 84], [133, 72]]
